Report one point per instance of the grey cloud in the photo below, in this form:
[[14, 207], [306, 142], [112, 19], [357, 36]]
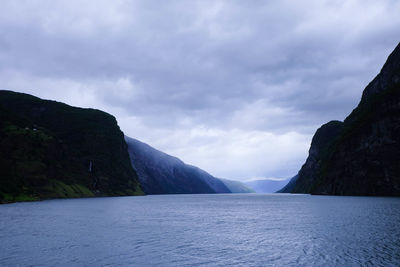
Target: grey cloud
[[264, 66]]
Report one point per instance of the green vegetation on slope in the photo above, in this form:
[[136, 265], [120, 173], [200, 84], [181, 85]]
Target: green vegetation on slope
[[51, 150]]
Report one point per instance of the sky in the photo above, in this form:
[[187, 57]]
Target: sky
[[237, 88]]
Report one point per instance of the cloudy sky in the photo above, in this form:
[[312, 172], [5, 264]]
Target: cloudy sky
[[235, 87]]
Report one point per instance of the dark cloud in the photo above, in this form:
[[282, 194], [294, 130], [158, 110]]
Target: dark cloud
[[236, 87]]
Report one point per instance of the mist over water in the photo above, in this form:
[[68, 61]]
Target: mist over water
[[202, 230]]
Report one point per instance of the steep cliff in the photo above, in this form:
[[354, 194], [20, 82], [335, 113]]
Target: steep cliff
[[321, 144], [51, 150], [160, 173], [362, 157]]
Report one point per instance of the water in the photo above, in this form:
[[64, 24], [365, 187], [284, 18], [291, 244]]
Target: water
[[202, 230]]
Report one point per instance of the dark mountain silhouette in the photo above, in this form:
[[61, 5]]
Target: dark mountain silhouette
[[51, 150], [160, 173], [360, 156]]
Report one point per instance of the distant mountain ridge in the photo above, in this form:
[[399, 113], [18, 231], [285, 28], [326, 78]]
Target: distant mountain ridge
[[360, 156], [160, 173], [51, 150], [236, 186], [266, 186]]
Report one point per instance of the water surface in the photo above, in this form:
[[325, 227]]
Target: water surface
[[203, 230]]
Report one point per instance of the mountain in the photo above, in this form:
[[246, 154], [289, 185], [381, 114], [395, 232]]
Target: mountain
[[360, 156], [290, 185], [51, 150], [320, 145], [160, 173], [236, 186], [267, 186]]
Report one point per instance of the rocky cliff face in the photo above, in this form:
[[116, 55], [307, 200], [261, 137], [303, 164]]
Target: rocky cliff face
[[160, 173], [51, 150], [310, 171], [362, 155], [388, 77]]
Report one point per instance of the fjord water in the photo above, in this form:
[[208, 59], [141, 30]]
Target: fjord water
[[203, 230]]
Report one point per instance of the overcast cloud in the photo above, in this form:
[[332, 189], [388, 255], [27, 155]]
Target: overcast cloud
[[235, 87]]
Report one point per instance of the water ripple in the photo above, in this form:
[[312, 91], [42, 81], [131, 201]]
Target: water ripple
[[202, 230]]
